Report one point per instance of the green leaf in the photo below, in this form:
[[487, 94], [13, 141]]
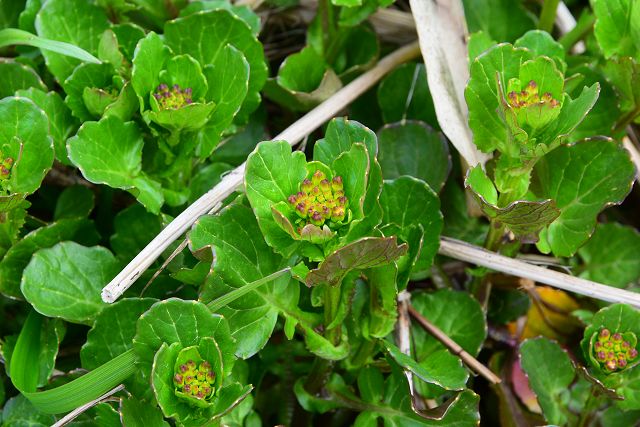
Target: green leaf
[[110, 152], [413, 148], [51, 336], [148, 60], [206, 178], [365, 253], [459, 316], [15, 76], [583, 179], [75, 201], [572, 114], [112, 335], [404, 95], [19, 412], [549, 381], [483, 94], [243, 12], [10, 12], [14, 220], [617, 27], [78, 23], [242, 257], [610, 255], [61, 123], [502, 20], [542, 43], [17, 258], [525, 219], [134, 228], [448, 382], [407, 202], [184, 35], [183, 322], [135, 413], [228, 79], [65, 281], [11, 36], [304, 80], [396, 408], [272, 174], [624, 75], [25, 138], [93, 79]]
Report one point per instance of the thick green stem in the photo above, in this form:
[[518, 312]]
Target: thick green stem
[[331, 305], [364, 353], [587, 410], [548, 15], [318, 376], [583, 27]]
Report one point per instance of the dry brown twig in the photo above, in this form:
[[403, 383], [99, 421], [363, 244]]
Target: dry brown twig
[[454, 347]]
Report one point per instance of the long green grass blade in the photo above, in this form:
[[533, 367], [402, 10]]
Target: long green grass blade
[[24, 368], [12, 36], [225, 299], [86, 388]]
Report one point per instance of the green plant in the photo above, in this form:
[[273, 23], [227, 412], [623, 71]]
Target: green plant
[[313, 288]]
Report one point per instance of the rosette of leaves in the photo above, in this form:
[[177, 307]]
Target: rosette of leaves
[[519, 108], [610, 348], [274, 174], [222, 72], [188, 354]]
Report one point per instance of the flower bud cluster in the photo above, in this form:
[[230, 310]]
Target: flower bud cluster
[[172, 98], [5, 168], [320, 200], [195, 380], [613, 352], [529, 96]]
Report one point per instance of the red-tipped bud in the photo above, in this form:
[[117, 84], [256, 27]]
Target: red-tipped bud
[[317, 177], [306, 186], [336, 184], [632, 354], [316, 218], [293, 199], [617, 337], [337, 214], [183, 368], [178, 379], [324, 186], [211, 376], [622, 363], [200, 394], [611, 365], [601, 356], [604, 334], [187, 388], [191, 364]]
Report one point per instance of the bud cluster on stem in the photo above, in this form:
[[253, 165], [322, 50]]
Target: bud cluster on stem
[[320, 200], [529, 96], [612, 351], [195, 380], [172, 98]]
